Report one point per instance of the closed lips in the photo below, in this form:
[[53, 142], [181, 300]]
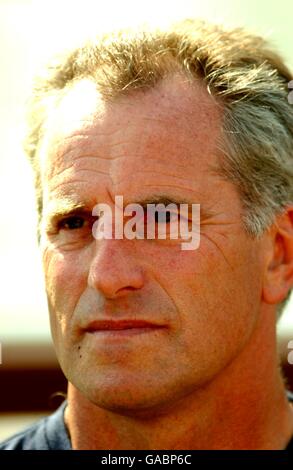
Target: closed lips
[[102, 325]]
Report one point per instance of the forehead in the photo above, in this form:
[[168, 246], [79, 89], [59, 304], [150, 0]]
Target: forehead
[[171, 127]]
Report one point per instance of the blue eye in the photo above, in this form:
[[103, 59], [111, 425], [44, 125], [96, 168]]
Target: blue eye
[[71, 223]]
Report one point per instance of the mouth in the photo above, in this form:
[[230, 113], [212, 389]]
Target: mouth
[[122, 327]]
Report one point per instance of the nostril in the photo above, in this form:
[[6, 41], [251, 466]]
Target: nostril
[[125, 290]]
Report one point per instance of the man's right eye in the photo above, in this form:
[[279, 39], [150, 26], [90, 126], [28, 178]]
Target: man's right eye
[[71, 223]]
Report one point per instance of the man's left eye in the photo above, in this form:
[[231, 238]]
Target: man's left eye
[[71, 223]]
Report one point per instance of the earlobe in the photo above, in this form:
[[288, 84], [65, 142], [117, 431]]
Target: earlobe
[[278, 276]]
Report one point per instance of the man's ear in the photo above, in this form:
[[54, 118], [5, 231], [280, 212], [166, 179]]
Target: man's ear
[[278, 276]]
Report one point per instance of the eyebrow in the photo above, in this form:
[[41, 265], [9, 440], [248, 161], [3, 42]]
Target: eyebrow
[[66, 207], [162, 199], [205, 211]]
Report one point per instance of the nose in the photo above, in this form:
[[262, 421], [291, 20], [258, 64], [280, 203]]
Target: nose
[[114, 271]]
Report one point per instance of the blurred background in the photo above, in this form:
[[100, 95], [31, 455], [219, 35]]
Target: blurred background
[[30, 32]]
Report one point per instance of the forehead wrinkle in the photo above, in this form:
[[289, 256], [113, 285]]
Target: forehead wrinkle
[[86, 143], [54, 144], [62, 184], [142, 172], [74, 153], [118, 129], [65, 162], [86, 134], [80, 171], [93, 146], [172, 187]]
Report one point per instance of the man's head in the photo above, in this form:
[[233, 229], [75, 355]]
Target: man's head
[[194, 114]]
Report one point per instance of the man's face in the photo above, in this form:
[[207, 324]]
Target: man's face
[[202, 304]]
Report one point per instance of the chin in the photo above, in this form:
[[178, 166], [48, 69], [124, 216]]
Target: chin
[[130, 396], [124, 398]]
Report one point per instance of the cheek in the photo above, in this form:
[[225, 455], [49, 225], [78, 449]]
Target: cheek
[[66, 279], [217, 296]]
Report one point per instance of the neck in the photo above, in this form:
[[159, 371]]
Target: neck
[[243, 407]]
